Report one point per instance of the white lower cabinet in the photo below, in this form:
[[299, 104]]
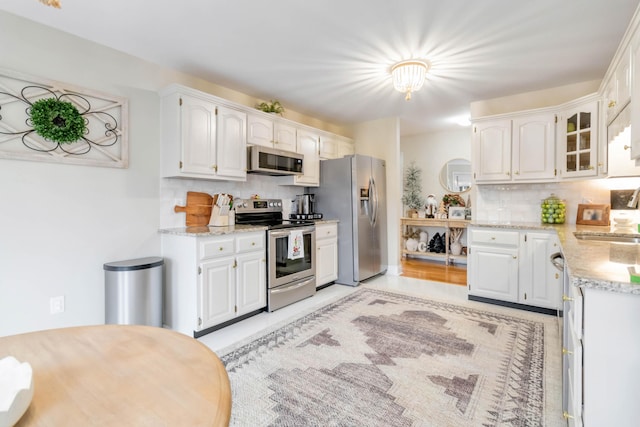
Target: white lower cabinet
[[572, 369], [214, 279], [514, 266], [610, 348], [327, 253], [492, 264]]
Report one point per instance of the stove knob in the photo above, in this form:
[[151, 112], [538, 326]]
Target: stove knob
[[279, 204]]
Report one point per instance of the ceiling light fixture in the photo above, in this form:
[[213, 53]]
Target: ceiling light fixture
[[54, 3], [408, 76]]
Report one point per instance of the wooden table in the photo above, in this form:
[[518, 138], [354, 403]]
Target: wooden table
[[117, 375]]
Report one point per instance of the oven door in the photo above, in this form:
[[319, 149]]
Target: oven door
[[282, 269]]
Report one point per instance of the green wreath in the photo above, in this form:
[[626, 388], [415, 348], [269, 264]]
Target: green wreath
[[58, 121]]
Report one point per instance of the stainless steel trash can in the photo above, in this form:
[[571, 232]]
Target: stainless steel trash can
[[133, 291]]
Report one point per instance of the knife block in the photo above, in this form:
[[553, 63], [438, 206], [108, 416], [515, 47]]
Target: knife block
[[217, 219]]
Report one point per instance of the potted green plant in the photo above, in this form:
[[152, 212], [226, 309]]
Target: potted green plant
[[412, 196], [273, 106]]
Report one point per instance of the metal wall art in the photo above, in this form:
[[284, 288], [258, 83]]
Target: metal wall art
[[50, 121]]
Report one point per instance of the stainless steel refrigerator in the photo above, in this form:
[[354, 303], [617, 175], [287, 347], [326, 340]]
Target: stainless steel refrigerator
[[353, 190]]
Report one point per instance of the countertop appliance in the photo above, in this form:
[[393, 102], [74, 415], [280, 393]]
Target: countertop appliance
[[352, 190], [305, 207], [271, 161], [290, 276]]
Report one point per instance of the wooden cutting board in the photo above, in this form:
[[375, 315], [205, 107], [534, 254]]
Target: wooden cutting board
[[198, 209]]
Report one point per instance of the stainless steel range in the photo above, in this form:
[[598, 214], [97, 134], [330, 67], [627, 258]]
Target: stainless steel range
[[291, 245]]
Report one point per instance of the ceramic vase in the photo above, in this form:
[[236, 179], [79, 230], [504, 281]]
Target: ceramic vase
[[412, 244], [455, 248]]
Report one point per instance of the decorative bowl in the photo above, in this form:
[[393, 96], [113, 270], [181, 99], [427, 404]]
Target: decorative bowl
[[16, 390], [622, 220]]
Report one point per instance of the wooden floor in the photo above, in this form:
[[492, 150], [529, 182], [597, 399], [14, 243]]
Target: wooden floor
[[430, 270]]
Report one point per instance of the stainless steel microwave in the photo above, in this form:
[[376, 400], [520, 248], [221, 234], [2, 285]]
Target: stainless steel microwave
[[271, 161]]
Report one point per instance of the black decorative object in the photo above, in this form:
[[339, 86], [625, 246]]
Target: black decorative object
[[61, 120], [436, 244]]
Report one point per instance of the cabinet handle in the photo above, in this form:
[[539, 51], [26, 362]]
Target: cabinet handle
[[566, 415], [515, 256], [221, 248], [612, 104], [566, 298], [626, 147], [590, 167], [275, 142], [493, 238], [557, 276], [565, 351], [508, 173], [253, 243], [214, 167], [516, 173]]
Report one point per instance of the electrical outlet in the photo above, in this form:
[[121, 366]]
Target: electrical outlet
[[56, 304]]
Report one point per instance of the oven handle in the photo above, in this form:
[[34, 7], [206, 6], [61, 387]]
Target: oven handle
[[288, 288], [287, 232]]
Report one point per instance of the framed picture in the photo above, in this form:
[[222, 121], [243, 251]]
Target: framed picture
[[456, 212], [593, 214]]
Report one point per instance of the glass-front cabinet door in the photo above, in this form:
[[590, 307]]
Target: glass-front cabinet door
[[578, 141]]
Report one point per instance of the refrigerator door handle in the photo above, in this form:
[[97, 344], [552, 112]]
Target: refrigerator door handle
[[374, 200]]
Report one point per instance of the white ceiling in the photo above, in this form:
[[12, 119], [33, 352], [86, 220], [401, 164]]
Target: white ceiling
[[330, 58]]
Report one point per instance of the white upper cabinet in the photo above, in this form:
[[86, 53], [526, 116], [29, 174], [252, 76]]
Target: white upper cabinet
[[231, 146], [198, 137], [307, 144], [492, 151], [617, 92], [329, 146], [635, 105], [578, 141], [201, 138], [521, 148], [259, 130], [533, 147], [285, 136], [270, 132], [346, 148]]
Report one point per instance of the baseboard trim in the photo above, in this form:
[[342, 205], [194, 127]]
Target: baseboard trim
[[516, 305], [198, 334]]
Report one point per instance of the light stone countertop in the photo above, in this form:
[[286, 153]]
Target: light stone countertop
[[206, 231], [591, 264], [326, 221]]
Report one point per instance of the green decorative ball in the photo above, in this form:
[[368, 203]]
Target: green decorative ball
[[56, 120]]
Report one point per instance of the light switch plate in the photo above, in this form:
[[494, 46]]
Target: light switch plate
[[56, 304]]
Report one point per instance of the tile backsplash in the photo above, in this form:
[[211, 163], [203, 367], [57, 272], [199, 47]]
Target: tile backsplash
[[510, 203], [174, 190]]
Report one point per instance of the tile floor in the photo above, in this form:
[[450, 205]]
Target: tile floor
[[244, 330]]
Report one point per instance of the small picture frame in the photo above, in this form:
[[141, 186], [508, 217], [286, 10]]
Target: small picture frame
[[456, 212], [593, 214]]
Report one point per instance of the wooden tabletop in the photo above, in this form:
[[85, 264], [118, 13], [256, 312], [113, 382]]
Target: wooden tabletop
[[117, 375]]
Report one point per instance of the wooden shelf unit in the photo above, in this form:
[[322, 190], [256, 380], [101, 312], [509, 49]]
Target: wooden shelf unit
[[447, 224]]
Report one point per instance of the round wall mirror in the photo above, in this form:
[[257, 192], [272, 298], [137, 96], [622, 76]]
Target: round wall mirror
[[455, 176]]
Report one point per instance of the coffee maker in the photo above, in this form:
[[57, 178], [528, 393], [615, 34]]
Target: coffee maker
[[305, 206]]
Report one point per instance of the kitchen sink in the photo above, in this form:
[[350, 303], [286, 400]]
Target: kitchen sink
[[613, 238]]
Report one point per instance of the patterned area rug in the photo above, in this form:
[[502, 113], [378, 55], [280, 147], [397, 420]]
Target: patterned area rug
[[376, 358]]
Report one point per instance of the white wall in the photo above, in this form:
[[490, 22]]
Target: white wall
[[60, 223], [531, 100], [431, 151]]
